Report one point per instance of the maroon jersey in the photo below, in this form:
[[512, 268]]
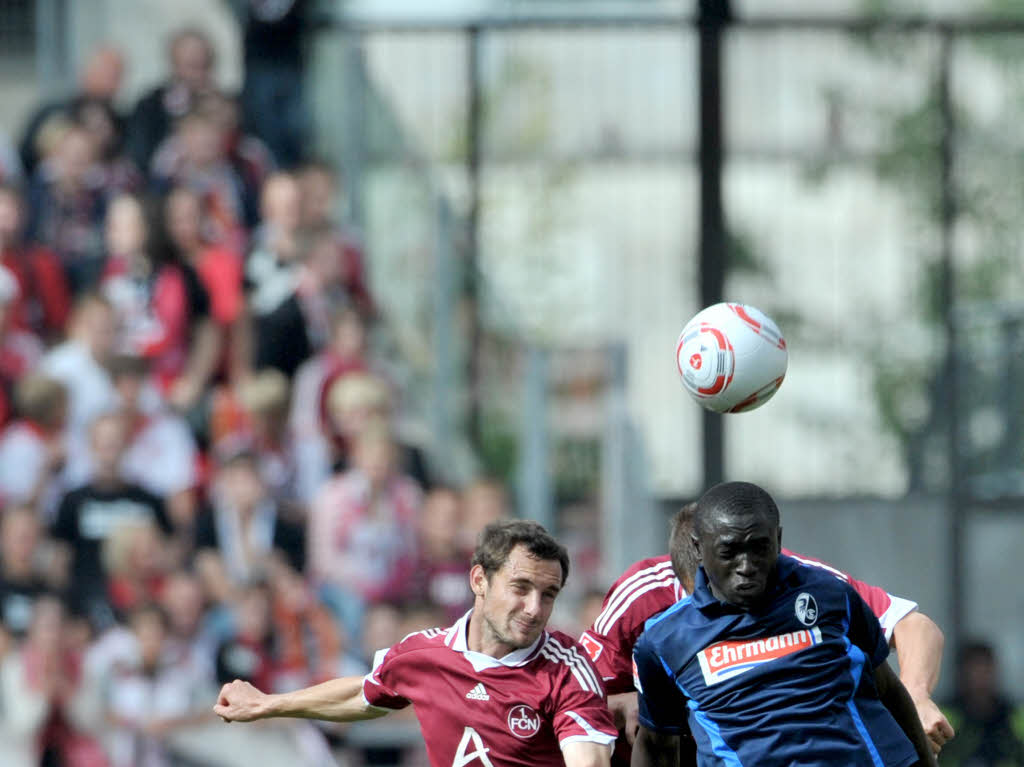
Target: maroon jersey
[[649, 586], [474, 709]]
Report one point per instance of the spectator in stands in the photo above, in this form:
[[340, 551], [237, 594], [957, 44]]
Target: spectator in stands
[[219, 269], [39, 683], [33, 448], [80, 363], [195, 156], [67, 202], [151, 699], [989, 727], [484, 501], [191, 56], [183, 602], [309, 644], [44, 300], [320, 192], [100, 81], [242, 529], [350, 402], [20, 350], [272, 92], [88, 515], [101, 122], [441, 574], [135, 562], [206, 341], [248, 653], [160, 311], [247, 155], [264, 400], [346, 353], [362, 526], [23, 580], [161, 454], [278, 330]]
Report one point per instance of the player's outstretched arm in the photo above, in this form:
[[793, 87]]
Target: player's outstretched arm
[[918, 642], [655, 749], [339, 700], [896, 698], [586, 754]]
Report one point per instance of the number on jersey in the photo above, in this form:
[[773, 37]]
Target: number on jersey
[[471, 737]]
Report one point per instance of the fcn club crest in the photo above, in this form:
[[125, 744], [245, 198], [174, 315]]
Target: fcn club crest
[[523, 721], [806, 609]]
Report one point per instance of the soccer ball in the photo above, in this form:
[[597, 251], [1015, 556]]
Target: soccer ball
[[731, 357]]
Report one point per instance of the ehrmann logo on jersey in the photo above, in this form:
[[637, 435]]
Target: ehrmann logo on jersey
[[724, 660], [523, 721]]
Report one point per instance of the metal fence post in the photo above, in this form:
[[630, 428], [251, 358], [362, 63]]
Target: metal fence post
[[535, 492], [714, 15], [948, 213]]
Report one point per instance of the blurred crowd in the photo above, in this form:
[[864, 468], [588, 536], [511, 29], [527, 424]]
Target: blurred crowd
[[200, 473]]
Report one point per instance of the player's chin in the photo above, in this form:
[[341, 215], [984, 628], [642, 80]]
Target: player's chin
[[525, 635]]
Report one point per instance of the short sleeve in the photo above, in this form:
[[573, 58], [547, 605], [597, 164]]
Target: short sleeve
[[888, 609], [611, 657], [580, 712], [378, 685], [662, 706], [864, 629]]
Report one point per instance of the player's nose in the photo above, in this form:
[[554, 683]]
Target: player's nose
[[746, 566], [532, 604]]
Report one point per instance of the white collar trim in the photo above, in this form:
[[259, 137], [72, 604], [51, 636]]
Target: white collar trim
[[457, 640]]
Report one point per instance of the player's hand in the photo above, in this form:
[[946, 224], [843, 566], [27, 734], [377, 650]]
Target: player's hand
[[240, 702], [624, 709], [936, 726]]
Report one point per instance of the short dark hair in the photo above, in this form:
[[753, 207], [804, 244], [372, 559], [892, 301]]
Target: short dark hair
[[680, 547], [734, 498], [499, 538]]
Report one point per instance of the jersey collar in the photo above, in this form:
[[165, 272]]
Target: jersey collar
[[456, 640]]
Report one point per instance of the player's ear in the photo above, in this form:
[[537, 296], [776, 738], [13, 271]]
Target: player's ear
[[780, 537], [695, 542], [478, 580]]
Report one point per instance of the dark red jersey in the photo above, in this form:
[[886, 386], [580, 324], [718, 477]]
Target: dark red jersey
[[517, 710]]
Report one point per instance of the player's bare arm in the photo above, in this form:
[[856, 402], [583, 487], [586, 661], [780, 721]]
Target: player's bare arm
[[338, 700], [624, 709], [655, 749], [896, 698], [918, 643], [586, 754]]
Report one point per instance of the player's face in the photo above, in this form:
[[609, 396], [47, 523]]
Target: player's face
[[517, 600], [739, 553]]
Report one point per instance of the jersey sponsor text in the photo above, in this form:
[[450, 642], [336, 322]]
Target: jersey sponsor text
[[724, 660]]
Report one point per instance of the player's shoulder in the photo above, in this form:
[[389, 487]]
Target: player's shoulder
[[425, 639], [667, 621], [800, 571], [677, 629], [647, 587], [651, 566], [816, 564], [559, 653]]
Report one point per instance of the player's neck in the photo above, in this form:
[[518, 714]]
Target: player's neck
[[480, 639]]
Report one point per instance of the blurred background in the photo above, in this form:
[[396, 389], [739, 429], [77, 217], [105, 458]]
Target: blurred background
[[298, 295]]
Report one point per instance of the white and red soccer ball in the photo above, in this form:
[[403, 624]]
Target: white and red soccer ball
[[731, 357]]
